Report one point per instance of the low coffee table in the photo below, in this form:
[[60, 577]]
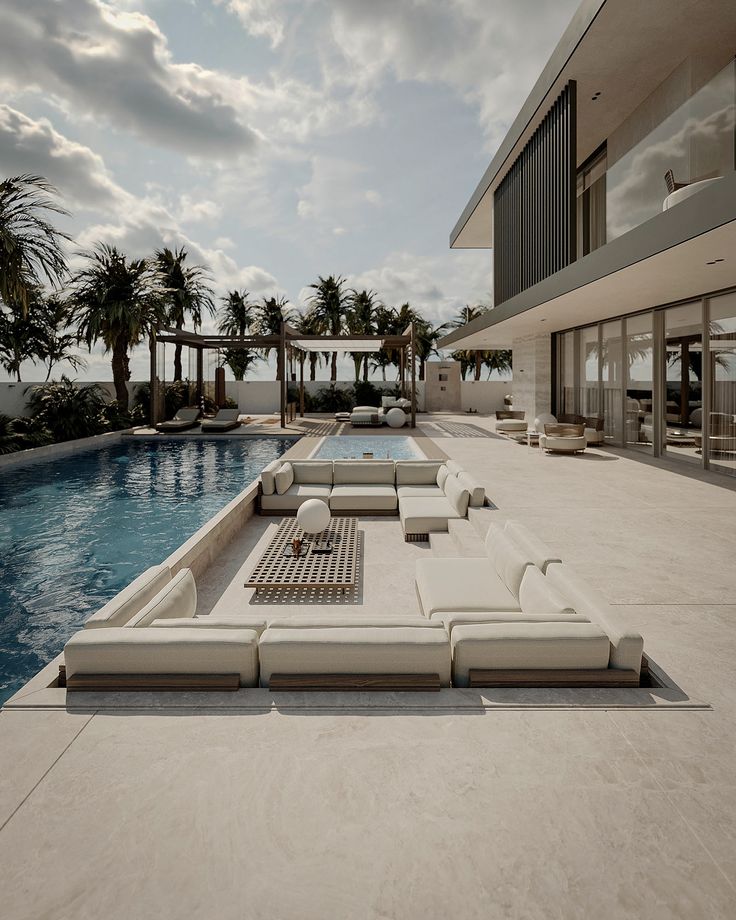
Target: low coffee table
[[337, 569]]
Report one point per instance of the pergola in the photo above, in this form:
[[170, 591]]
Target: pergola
[[287, 342]]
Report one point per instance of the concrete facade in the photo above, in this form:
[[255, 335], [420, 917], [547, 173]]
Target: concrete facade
[[532, 386]]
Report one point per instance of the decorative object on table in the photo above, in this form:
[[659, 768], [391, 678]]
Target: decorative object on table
[[313, 516], [291, 552], [395, 418], [296, 545], [322, 546], [367, 454]]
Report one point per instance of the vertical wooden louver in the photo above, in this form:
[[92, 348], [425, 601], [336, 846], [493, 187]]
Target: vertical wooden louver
[[534, 226]]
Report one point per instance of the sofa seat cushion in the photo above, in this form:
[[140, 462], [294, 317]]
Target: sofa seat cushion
[[176, 599], [295, 496], [522, 646], [355, 650], [563, 445], [417, 472], [364, 497], [131, 600], [364, 472], [210, 621], [417, 491], [451, 585], [426, 515], [164, 651], [472, 617], [511, 424]]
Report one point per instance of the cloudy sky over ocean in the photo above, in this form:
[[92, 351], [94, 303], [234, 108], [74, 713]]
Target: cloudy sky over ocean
[[275, 139]]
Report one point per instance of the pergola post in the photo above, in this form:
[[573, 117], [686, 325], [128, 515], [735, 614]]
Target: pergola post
[[413, 378], [153, 384], [200, 376], [302, 356], [282, 374], [402, 372]]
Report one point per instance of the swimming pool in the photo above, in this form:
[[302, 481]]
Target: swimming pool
[[382, 448], [75, 530]]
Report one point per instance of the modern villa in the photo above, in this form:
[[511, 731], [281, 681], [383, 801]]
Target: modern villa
[[610, 208], [465, 650]]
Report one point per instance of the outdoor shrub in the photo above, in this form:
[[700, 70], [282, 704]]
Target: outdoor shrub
[[67, 410], [333, 399], [366, 394], [21, 434]]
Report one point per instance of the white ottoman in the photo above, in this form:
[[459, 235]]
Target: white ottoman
[[511, 425], [396, 418]]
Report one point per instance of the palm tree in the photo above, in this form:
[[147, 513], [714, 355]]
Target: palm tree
[[31, 248], [269, 315], [385, 319], [187, 293], [425, 338], [361, 320], [464, 316], [58, 343], [118, 302], [330, 302], [236, 313], [497, 360], [307, 323], [466, 359], [21, 339], [240, 360]]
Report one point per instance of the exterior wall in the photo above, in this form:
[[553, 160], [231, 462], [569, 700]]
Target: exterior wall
[[14, 396], [532, 385], [442, 394]]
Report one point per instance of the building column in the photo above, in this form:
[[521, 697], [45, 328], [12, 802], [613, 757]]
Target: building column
[[532, 375]]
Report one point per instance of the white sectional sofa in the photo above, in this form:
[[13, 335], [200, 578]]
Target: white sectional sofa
[[426, 494]]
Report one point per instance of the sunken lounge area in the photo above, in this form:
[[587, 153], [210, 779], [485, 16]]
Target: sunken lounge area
[[352, 803]]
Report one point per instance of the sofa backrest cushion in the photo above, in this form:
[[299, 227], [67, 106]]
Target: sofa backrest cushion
[[476, 490], [539, 597], [363, 472], [442, 474], [507, 558], [268, 485], [131, 600], [284, 478], [312, 472], [454, 467], [417, 472], [346, 622], [177, 599], [457, 496], [539, 553], [373, 409], [187, 415]]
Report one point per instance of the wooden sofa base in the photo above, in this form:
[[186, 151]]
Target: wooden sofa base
[[598, 677], [354, 682], [131, 682], [338, 513], [416, 537]]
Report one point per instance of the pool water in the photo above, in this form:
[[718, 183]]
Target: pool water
[[75, 530], [347, 448]]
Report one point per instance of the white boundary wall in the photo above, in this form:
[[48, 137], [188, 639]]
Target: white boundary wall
[[257, 397]]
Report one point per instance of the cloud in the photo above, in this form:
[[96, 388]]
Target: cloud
[[336, 194], [34, 146], [260, 18]]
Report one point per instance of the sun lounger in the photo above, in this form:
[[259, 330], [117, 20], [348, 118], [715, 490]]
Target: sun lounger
[[225, 420], [184, 419]]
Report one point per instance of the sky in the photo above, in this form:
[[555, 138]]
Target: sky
[[276, 140]]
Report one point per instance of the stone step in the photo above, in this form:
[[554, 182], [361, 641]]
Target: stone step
[[466, 539], [443, 545], [481, 519]]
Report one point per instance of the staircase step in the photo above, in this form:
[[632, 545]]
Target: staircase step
[[466, 539], [481, 519], [443, 545]]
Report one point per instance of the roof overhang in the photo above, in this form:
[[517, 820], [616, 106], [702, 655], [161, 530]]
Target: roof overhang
[[662, 261], [624, 50]]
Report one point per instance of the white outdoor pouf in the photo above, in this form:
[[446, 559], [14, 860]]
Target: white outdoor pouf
[[395, 418], [313, 516]]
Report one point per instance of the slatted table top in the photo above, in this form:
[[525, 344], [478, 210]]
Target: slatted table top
[[337, 569]]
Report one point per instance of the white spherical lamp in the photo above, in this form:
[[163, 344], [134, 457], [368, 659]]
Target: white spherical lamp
[[313, 516], [395, 418]]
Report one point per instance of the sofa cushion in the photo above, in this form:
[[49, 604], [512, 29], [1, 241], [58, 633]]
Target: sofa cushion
[[176, 599], [476, 491], [358, 650], [562, 444], [538, 596], [363, 497], [211, 621], [539, 553], [417, 472], [442, 474], [451, 585], [132, 599], [284, 478], [268, 486], [428, 491], [164, 651], [457, 496], [510, 563], [374, 472], [365, 409], [426, 515], [511, 424], [521, 646], [295, 496], [627, 645], [350, 622], [312, 472], [453, 467], [472, 617]]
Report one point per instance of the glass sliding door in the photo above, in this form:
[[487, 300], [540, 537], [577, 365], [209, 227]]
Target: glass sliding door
[[612, 382], [683, 397], [639, 369], [589, 401], [721, 423]]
